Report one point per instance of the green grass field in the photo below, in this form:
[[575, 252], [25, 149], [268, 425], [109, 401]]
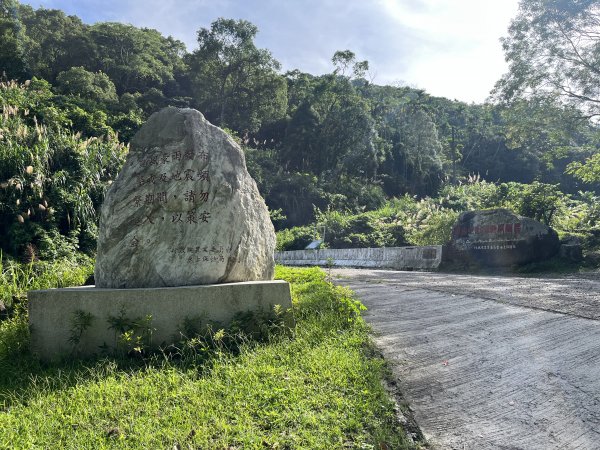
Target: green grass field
[[317, 386]]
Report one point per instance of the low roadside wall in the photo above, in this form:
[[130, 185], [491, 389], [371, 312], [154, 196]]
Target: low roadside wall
[[400, 258]]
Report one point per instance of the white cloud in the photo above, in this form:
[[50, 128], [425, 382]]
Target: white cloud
[[459, 52]]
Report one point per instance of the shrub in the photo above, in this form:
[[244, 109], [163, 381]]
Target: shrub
[[52, 180], [296, 238]]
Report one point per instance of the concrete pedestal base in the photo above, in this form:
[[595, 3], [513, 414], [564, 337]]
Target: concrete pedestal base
[[83, 321]]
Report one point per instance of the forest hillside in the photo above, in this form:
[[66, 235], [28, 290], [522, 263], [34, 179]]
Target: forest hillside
[[369, 165]]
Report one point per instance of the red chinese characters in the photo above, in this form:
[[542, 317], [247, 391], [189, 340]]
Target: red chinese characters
[[503, 228]]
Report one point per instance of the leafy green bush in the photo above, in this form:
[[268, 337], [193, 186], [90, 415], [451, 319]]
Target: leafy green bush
[[81, 83], [473, 194], [435, 229], [537, 200], [52, 180], [296, 238], [370, 229]]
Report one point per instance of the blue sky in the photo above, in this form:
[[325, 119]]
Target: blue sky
[[450, 48]]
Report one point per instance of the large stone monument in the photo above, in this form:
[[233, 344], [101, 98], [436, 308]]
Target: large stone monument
[[499, 237], [183, 211], [184, 237]]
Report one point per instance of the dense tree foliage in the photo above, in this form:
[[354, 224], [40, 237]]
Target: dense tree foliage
[[234, 83], [80, 83], [325, 150], [53, 42], [135, 59], [553, 49], [12, 55]]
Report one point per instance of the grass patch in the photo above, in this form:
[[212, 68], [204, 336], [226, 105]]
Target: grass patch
[[317, 386], [16, 279]]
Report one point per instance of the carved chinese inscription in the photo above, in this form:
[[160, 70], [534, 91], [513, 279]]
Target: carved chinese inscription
[[502, 228], [184, 183], [199, 254], [171, 192], [499, 236]]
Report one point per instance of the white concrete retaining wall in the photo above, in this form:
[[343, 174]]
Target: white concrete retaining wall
[[400, 258]]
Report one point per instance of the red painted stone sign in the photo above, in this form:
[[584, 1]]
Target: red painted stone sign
[[499, 237]]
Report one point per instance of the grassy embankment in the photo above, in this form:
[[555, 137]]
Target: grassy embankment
[[317, 386]]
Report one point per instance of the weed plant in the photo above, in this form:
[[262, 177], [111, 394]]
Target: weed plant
[[18, 278]]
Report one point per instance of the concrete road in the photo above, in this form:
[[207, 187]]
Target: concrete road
[[489, 362]]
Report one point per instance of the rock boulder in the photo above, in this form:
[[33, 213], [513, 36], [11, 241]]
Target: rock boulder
[[499, 237], [183, 210]]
